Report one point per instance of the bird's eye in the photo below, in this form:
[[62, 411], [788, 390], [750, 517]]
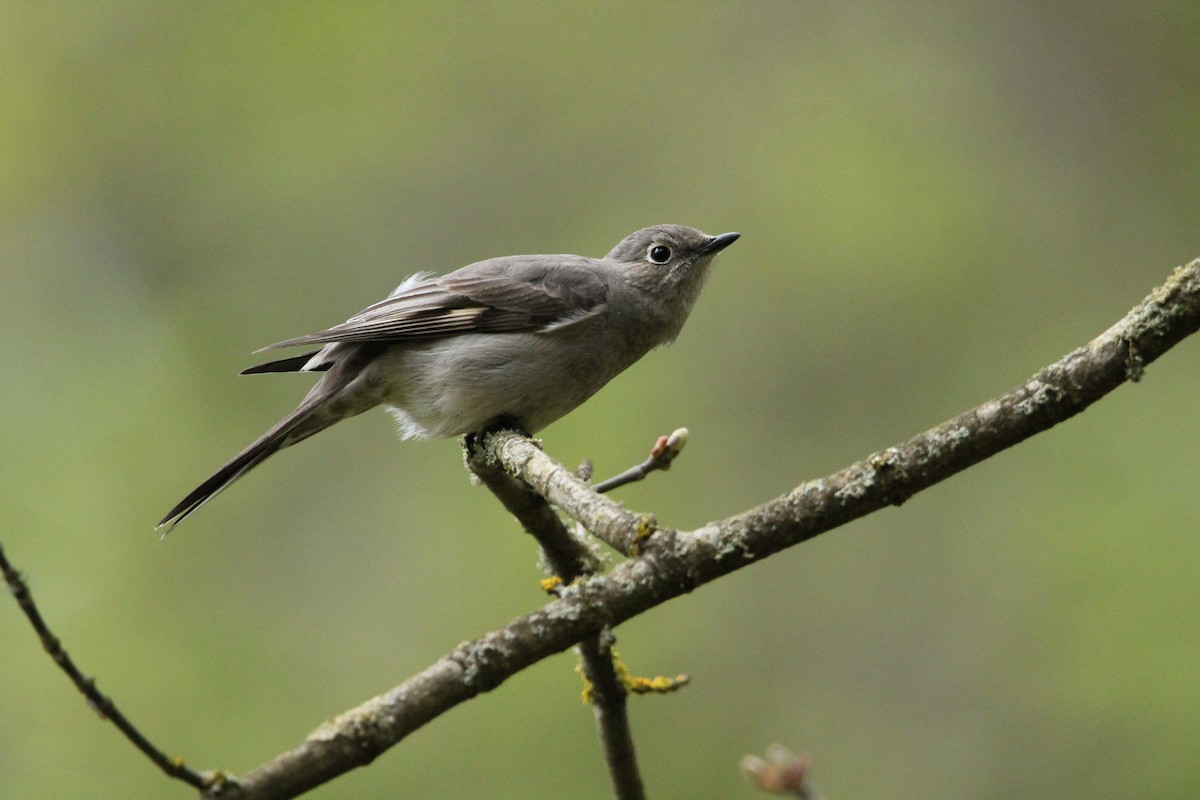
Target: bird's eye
[[660, 254]]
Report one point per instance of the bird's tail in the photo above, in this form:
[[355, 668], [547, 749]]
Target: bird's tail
[[295, 427]]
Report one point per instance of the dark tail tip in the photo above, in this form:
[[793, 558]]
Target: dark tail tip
[[239, 466]]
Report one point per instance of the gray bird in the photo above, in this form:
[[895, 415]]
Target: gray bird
[[517, 342]]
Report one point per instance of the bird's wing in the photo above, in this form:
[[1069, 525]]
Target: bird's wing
[[515, 293]]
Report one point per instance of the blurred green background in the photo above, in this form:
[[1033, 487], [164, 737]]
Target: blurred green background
[[935, 200]]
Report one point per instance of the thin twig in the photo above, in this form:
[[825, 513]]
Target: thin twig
[[665, 450], [100, 702], [608, 697]]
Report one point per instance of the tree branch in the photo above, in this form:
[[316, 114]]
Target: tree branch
[[570, 559], [607, 519], [608, 695], [567, 556], [672, 563]]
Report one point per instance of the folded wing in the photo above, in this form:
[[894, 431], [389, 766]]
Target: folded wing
[[516, 293]]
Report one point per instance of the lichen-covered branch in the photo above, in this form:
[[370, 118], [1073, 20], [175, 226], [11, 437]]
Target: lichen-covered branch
[[570, 559], [605, 518]]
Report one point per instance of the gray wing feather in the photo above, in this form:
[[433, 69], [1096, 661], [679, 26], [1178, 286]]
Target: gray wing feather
[[511, 294]]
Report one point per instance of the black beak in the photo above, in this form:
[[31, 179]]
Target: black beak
[[719, 243]]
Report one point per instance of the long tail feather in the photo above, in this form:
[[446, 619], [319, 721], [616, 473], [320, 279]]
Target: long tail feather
[[216, 482], [286, 432], [322, 406]]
